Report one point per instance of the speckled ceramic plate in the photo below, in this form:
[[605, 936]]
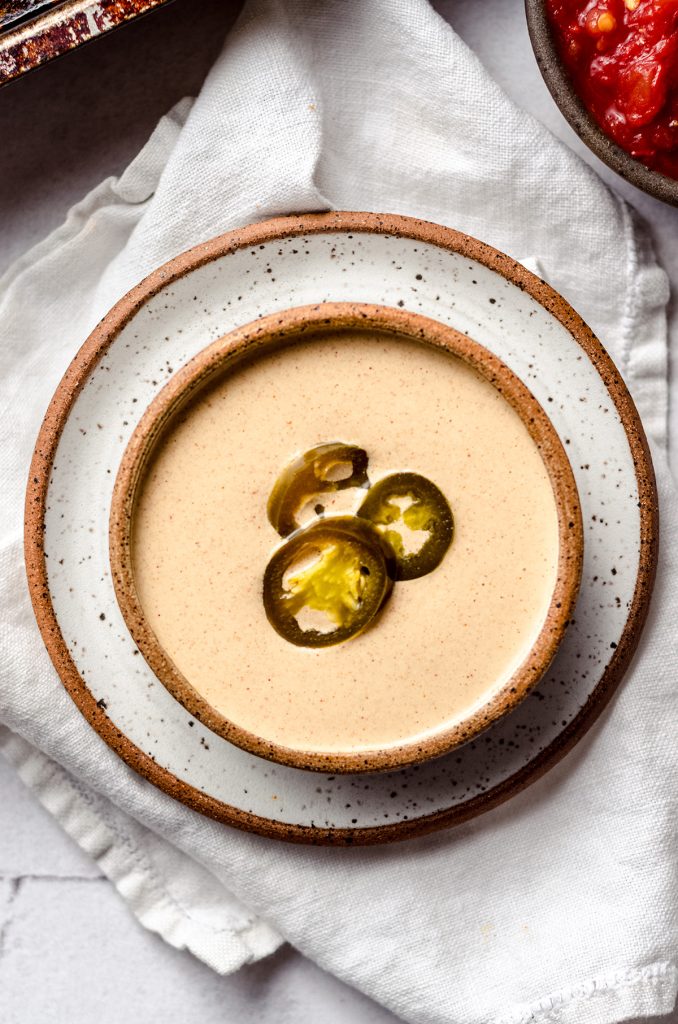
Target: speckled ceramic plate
[[296, 261]]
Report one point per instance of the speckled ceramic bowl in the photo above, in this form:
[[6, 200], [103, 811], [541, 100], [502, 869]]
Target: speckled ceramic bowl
[[298, 326], [572, 108]]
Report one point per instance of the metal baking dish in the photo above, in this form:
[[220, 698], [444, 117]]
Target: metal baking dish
[[32, 32]]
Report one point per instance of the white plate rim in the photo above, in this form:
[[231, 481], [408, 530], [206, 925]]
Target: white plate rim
[[88, 357]]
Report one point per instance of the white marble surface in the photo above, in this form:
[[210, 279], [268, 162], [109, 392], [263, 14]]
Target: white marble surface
[[69, 948]]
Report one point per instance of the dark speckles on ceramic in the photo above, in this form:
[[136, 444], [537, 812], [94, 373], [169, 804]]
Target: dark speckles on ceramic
[[316, 258], [271, 332]]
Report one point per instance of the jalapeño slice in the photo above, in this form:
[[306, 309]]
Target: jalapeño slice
[[328, 581], [327, 467], [413, 516]]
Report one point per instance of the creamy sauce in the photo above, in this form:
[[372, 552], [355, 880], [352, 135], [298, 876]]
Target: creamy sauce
[[444, 642]]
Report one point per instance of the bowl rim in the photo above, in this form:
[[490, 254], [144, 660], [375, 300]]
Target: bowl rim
[[304, 324], [575, 113]]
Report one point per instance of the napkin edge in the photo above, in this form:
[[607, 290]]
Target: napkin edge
[[624, 994], [224, 949]]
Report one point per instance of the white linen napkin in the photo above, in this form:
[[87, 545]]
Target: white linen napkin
[[559, 905]]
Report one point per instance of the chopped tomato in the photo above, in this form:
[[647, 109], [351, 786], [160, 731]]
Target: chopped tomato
[[622, 56]]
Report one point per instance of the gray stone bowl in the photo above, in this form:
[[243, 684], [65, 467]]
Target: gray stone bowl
[[572, 108]]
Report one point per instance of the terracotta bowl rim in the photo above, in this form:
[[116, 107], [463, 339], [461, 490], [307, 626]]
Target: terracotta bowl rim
[[295, 326], [572, 108]]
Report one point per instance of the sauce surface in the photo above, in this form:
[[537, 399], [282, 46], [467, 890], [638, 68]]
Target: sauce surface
[[201, 541], [622, 56]]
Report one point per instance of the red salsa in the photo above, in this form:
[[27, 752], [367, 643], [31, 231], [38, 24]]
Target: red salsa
[[622, 56]]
